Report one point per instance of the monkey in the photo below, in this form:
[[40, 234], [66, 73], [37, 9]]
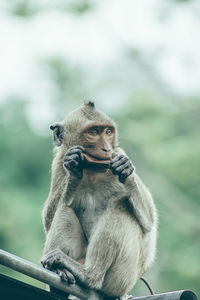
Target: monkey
[[100, 219]]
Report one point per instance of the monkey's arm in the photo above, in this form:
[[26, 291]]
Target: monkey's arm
[[140, 198], [142, 203], [63, 183], [59, 184]]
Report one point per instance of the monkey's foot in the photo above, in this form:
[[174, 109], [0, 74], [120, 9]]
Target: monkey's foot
[[54, 261]]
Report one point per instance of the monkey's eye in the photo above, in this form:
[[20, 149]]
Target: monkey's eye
[[93, 131], [109, 131]]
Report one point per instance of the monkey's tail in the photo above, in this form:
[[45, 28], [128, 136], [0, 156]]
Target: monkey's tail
[[148, 285]]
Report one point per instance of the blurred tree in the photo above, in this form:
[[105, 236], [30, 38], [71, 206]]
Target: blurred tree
[[164, 145], [29, 8], [24, 180], [159, 130], [159, 142], [66, 83], [22, 8]]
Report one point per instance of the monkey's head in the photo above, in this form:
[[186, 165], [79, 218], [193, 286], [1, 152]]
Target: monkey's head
[[87, 127]]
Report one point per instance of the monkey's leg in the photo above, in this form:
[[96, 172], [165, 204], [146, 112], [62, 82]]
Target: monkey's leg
[[113, 259], [65, 234], [114, 255]]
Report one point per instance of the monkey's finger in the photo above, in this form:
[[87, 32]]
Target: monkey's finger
[[72, 157], [74, 152], [65, 275], [123, 166], [127, 172], [76, 149], [47, 265], [114, 155], [70, 164], [44, 262], [57, 271], [119, 162], [119, 159], [62, 275], [50, 260], [44, 265], [116, 158], [76, 156], [70, 276], [43, 259]]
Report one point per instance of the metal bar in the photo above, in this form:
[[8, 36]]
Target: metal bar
[[30, 269], [175, 295]]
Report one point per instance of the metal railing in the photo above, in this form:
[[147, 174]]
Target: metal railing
[[30, 269]]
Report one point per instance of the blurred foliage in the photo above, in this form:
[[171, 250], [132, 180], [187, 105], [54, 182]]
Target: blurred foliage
[[29, 8], [164, 145], [24, 172], [159, 131], [22, 8], [66, 82], [182, 1]]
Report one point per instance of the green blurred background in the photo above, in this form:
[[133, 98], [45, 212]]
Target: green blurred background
[[139, 61]]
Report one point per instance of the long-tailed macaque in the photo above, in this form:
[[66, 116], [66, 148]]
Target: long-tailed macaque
[[100, 220]]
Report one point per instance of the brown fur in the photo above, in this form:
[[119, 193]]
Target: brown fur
[[97, 220]]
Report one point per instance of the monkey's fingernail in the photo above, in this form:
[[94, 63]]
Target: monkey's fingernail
[[73, 281], [114, 155], [115, 159]]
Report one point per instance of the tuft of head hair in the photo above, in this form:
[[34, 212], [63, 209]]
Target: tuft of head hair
[[89, 104]]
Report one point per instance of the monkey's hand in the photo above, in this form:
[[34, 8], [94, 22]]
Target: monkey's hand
[[122, 166], [73, 161], [53, 261]]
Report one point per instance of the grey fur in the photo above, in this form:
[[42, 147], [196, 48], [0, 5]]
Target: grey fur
[[109, 223]]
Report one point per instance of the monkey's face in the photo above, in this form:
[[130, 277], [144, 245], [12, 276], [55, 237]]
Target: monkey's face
[[90, 128], [98, 141]]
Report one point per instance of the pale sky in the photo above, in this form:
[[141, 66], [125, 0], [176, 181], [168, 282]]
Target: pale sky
[[96, 38]]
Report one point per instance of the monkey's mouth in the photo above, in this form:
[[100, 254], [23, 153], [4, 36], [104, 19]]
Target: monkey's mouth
[[96, 161]]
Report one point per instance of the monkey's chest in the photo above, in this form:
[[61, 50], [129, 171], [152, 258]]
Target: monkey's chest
[[89, 209]]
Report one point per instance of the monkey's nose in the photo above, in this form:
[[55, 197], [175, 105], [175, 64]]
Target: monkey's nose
[[106, 149]]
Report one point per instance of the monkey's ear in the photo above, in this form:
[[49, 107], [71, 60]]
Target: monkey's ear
[[57, 133], [89, 104]]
